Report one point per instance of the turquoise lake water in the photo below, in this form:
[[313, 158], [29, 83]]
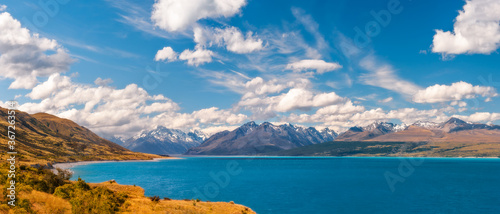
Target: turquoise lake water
[[317, 185]]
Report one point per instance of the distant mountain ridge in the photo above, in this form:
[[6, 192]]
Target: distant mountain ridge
[[452, 130], [373, 130], [251, 138], [163, 141]]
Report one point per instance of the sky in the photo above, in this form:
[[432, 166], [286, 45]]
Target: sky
[[120, 67]]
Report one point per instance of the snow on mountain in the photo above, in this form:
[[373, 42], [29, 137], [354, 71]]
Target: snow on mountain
[[251, 138], [163, 140]]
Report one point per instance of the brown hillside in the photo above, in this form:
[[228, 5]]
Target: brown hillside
[[419, 134], [46, 138]]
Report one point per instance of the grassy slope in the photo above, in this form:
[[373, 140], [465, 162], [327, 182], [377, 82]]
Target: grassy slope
[[137, 203], [42, 138], [409, 149], [39, 191]]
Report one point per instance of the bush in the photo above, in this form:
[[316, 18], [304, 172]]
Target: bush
[[84, 199], [155, 198]]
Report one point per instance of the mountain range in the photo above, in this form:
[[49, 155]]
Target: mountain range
[[452, 130], [163, 141], [250, 139]]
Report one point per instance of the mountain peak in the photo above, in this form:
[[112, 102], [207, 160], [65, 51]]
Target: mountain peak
[[250, 124], [252, 139], [454, 120]]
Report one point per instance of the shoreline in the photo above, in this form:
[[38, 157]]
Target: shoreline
[[257, 156], [70, 165]]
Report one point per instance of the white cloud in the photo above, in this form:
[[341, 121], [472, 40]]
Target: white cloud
[[383, 75], [102, 108], [298, 98], [313, 64], [454, 92], [198, 57], [480, 117], [215, 116], [216, 129], [3, 7], [312, 27], [103, 82], [167, 53], [237, 43], [386, 100], [23, 55], [175, 15], [230, 37], [266, 106], [476, 30]]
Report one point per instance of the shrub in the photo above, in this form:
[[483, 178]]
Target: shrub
[[84, 199], [155, 198]]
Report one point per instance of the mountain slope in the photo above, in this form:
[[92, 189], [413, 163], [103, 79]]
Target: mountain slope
[[251, 139], [452, 130], [43, 137], [368, 132], [164, 141]]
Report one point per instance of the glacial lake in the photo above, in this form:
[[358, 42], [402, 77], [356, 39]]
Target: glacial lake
[[317, 184]]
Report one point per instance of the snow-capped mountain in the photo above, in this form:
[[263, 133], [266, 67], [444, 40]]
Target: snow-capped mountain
[[426, 124], [164, 141], [251, 138], [370, 131], [452, 130]]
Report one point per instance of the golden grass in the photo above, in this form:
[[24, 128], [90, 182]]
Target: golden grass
[[137, 203], [44, 203]]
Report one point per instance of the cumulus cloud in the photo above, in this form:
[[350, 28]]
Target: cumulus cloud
[[236, 42], [167, 53], [197, 57], [216, 129], [102, 108], [3, 7], [480, 117], [23, 55], [299, 98], [454, 92], [296, 98], [175, 15], [314, 64], [103, 82], [476, 30], [230, 37]]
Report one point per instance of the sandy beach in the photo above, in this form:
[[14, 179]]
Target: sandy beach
[[70, 165]]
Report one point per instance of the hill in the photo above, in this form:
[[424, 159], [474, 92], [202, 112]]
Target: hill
[[394, 149], [43, 138]]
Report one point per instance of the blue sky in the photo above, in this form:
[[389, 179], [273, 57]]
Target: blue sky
[[225, 63]]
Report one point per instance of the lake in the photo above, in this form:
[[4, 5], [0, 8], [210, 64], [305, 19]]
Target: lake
[[317, 184]]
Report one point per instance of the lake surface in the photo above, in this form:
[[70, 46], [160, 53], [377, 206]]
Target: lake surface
[[317, 185]]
